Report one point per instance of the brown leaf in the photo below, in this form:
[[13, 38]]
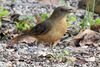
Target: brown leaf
[[28, 39], [87, 37]]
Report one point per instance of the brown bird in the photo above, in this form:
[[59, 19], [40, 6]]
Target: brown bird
[[51, 30]]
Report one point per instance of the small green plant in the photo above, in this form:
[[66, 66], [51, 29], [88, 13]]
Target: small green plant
[[88, 18], [44, 16], [28, 21], [22, 25], [62, 54], [3, 13], [87, 21], [25, 22], [66, 52], [97, 21], [71, 19]]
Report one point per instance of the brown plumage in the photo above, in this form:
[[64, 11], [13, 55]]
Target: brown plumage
[[51, 30]]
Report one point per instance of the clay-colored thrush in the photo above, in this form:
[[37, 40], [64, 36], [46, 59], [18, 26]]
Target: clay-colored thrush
[[51, 30]]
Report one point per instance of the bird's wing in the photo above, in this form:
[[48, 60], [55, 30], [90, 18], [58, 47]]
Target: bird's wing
[[41, 28]]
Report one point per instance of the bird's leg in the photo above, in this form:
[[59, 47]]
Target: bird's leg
[[53, 46], [55, 43], [36, 43]]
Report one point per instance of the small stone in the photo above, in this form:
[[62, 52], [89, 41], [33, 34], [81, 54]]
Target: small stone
[[90, 59], [85, 47], [99, 55], [2, 64], [10, 50], [98, 48], [1, 47], [9, 64]]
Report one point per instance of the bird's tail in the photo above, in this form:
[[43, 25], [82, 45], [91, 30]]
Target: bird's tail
[[17, 39], [21, 37]]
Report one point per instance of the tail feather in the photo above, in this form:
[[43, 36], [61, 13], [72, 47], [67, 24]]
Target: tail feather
[[16, 39]]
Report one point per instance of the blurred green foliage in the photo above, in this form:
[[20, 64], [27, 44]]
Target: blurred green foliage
[[25, 22], [97, 21], [71, 19], [3, 13], [87, 21], [66, 52], [62, 2], [88, 18], [44, 16], [62, 54], [22, 25], [28, 21]]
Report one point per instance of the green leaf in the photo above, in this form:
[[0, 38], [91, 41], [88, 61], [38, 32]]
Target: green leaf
[[66, 52], [87, 21], [97, 21], [88, 18], [71, 19], [44, 16], [3, 12], [22, 26]]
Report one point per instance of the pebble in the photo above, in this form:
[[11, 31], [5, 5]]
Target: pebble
[[98, 48], [9, 64], [92, 59], [1, 46], [23, 51], [85, 47], [22, 64], [3, 64]]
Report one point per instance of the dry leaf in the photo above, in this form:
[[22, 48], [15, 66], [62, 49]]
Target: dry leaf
[[86, 37]]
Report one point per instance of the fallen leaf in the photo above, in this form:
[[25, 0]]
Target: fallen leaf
[[86, 37]]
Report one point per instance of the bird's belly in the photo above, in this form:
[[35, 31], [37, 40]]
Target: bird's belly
[[57, 31]]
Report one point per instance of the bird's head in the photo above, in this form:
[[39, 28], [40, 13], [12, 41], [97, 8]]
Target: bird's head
[[62, 11]]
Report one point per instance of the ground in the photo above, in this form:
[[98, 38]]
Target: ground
[[37, 54]]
